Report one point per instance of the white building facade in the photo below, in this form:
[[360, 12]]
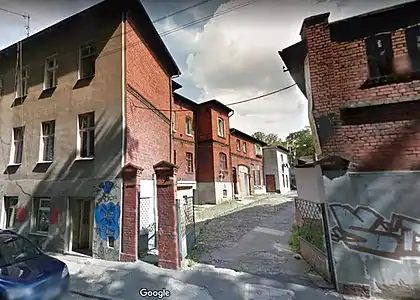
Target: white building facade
[[277, 169]]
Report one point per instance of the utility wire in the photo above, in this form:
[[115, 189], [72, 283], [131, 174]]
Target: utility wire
[[180, 11]]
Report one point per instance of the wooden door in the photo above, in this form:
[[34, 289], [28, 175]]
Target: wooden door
[[270, 182]]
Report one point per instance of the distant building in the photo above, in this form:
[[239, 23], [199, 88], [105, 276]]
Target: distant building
[[277, 169]]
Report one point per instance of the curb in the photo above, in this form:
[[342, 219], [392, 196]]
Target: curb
[[92, 296]]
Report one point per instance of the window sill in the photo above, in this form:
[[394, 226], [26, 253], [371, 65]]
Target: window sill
[[189, 172], [84, 158], [44, 162], [190, 135], [86, 78], [14, 164], [50, 89], [221, 136], [41, 234], [390, 79]]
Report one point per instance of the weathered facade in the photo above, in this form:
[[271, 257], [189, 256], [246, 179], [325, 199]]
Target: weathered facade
[[247, 164], [277, 169], [361, 79], [83, 122]]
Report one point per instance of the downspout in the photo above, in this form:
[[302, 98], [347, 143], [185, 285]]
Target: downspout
[[230, 158], [170, 117]]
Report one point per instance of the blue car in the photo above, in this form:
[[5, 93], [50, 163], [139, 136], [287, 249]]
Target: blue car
[[26, 273]]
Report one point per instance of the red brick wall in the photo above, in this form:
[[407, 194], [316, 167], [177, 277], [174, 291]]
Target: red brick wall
[[144, 71], [148, 139], [182, 147], [217, 149], [337, 71], [205, 163]]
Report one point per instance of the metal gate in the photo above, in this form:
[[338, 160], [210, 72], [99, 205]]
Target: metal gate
[[186, 225], [314, 237], [147, 241]]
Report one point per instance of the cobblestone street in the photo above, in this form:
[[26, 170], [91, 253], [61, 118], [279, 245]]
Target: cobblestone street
[[254, 239]]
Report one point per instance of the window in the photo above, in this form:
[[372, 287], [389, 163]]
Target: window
[[258, 150], [47, 141], [1, 86], [238, 145], [190, 165], [287, 181], [188, 126], [174, 157], [50, 76], [223, 161], [173, 122], [17, 146], [22, 83], [221, 127], [413, 47], [379, 55], [10, 206], [86, 135], [87, 61], [282, 158], [15, 249], [284, 184], [245, 148], [258, 175], [42, 208]]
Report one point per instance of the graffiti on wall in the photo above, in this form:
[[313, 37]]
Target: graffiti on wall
[[363, 229], [107, 211]]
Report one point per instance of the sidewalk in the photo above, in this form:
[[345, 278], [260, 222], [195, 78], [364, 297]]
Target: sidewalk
[[116, 280]]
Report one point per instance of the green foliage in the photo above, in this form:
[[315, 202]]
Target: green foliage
[[312, 232], [271, 139], [302, 141]]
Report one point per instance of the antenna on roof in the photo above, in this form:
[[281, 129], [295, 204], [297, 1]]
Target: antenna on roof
[[26, 17]]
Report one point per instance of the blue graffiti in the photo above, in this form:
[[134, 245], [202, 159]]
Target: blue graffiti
[[107, 217], [105, 189]]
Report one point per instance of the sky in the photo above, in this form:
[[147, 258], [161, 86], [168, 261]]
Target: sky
[[230, 57]]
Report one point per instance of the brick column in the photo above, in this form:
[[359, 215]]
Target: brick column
[[168, 244], [130, 214]]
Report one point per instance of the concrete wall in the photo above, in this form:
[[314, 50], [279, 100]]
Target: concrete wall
[[380, 209]]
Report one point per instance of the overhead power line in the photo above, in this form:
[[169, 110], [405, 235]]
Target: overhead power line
[[180, 11]]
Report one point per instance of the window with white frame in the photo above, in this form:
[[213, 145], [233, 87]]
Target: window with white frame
[[1, 86], [223, 162], [188, 126], [10, 207], [245, 147], [221, 127], [87, 61], [258, 150], [190, 162], [47, 141], [86, 143], [50, 73], [17, 145], [42, 212], [238, 145], [22, 83]]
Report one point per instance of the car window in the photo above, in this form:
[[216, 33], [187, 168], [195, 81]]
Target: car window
[[14, 249]]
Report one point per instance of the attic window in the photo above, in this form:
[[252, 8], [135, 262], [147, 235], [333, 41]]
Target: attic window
[[413, 47], [379, 55]]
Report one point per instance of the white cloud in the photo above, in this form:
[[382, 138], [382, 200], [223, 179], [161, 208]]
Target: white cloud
[[234, 57]]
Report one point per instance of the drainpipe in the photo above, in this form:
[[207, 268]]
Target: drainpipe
[[230, 159], [170, 116]]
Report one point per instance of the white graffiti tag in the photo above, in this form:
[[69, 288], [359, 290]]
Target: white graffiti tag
[[363, 229]]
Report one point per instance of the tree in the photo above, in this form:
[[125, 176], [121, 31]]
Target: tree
[[302, 141], [271, 139]]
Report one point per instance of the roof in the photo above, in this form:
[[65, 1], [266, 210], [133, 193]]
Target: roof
[[217, 104], [277, 147], [175, 86], [382, 20], [328, 162], [238, 133], [294, 59], [184, 100], [143, 23]]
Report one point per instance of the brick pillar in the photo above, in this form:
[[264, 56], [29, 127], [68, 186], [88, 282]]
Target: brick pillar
[[168, 244], [130, 226]]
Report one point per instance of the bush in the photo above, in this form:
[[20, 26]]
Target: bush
[[312, 232]]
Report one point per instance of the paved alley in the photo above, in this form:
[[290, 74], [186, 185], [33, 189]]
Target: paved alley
[[254, 240]]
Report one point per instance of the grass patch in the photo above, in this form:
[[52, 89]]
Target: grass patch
[[312, 232]]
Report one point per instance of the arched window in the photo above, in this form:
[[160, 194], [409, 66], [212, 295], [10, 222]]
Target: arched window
[[223, 161]]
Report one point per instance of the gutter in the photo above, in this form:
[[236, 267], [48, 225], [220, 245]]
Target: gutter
[[170, 117]]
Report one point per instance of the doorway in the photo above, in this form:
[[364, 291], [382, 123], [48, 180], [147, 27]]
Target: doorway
[[244, 185], [270, 182], [81, 224]]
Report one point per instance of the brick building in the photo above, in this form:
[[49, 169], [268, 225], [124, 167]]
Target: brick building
[[81, 132], [247, 164], [361, 78]]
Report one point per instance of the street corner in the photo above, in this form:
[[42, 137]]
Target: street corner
[[263, 292]]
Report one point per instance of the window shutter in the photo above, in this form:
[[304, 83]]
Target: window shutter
[[380, 55], [413, 46]]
